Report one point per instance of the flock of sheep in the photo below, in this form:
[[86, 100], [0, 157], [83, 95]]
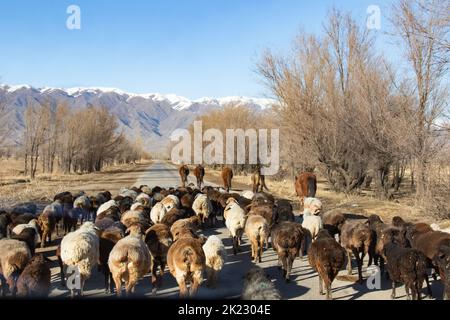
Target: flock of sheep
[[142, 230]]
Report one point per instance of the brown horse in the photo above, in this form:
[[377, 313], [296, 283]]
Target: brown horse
[[305, 185], [199, 173], [184, 173], [227, 175]]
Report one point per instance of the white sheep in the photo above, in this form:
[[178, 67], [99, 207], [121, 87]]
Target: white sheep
[[235, 222], [124, 192], [157, 213], [313, 224], [144, 199], [129, 260], [106, 206], [33, 224], [80, 249], [14, 256], [171, 202], [202, 207], [436, 227], [216, 255], [314, 205], [132, 217], [248, 194]]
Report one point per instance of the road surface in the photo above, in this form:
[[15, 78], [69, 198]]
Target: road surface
[[304, 283]]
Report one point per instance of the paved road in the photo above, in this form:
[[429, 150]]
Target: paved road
[[304, 284]]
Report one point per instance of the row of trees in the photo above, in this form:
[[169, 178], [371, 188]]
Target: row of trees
[[73, 140], [347, 110]]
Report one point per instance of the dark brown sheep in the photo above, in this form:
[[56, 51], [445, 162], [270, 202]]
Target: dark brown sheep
[[356, 238], [326, 257], [158, 239], [287, 242], [333, 221], [172, 216], [34, 281], [405, 265]]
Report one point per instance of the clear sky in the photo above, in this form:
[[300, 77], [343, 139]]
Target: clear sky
[[193, 48]]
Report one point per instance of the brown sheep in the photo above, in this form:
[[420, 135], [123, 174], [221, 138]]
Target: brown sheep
[[356, 238], [257, 231], [259, 181], [47, 224], [199, 173], [227, 176], [283, 212], [158, 239], [108, 239], [333, 222], [265, 211], [405, 265], [442, 261], [184, 173], [14, 256], [187, 261], [305, 186], [129, 260], [192, 223], [173, 216], [34, 281], [287, 242], [326, 257]]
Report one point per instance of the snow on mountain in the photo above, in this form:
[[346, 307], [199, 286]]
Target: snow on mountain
[[150, 116]]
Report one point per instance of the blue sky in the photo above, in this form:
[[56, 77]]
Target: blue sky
[[193, 48]]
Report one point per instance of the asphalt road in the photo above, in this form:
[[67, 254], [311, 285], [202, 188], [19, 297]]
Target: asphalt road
[[304, 283]]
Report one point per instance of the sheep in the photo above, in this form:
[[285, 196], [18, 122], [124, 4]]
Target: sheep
[[144, 199], [184, 173], [326, 257], [215, 255], [186, 261], [129, 260], [14, 256], [173, 216], [436, 227], [442, 261], [257, 286], [333, 222], [108, 209], [34, 281], [124, 204], [158, 239], [171, 202], [283, 211], [376, 225], [235, 222], [199, 173], [32, 224], [5, 220], [107, 240], [23, 208], [202, 207], [84, 204], [56, 209], [356, 238], [405, 265], [129, 193], [70, 219], [257, 231], [28, 236], [47, 223], [158, 212], [288, 243], [248, 194], [312, 224], [313, 204], [130, 218], [80, 249], [191, 223], [20, 219]]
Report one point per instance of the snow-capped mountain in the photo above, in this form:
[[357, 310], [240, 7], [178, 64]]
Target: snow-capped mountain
[[151, 116]]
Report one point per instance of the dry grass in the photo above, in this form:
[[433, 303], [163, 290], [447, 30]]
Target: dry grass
[[44, 187]]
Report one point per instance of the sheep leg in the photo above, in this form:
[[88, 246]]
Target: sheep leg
[[290, 261], [44, 238], [197, 279], [408, 296], [154, 278], [118, 283], [349, 262], [129, 287], [328, 286], [184, 292], [427, 281], [261, 246], [393, 290], [359, 261], [320, 285]]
